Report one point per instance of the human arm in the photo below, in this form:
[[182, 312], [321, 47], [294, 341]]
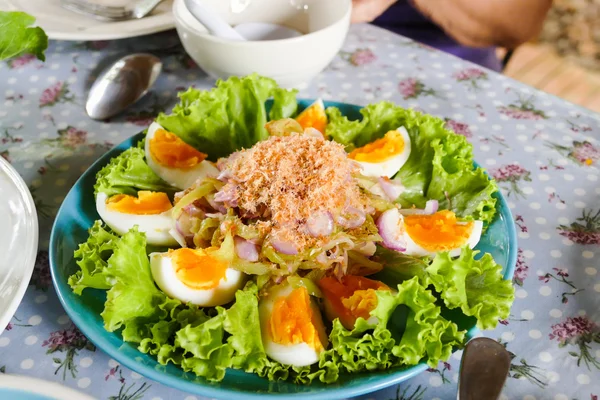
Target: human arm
[[479, 23]]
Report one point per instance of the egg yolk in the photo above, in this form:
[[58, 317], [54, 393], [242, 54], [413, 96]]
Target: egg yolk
[[145, 204], [197, 269], [314, 116], [380, 150], [293, 320], [351, 297], [169, 150], [438, 232]]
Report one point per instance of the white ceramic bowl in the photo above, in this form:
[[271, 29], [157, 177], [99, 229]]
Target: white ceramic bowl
[[290, 62]]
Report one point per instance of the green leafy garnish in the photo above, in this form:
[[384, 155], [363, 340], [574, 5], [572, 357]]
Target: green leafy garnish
[[92, 259], [229, 117], [19, 38], [476, 286], [440, 165], [128, 172]]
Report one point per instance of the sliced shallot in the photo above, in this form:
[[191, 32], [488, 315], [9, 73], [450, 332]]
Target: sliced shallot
[[390, 229], [352, 218], [284, 247], [320, 224], [392, 189], [245, 249], [431, 207]]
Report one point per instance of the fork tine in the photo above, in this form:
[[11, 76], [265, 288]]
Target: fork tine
[[94, 12], [89, 5], [109, 12]]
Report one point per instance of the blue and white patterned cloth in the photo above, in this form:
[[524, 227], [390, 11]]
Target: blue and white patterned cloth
[[543, 151]]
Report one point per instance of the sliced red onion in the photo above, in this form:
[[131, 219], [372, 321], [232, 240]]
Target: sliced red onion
[[392, 189], [227, 195], [389, 226], [245, 249], [310, 131], [322, 258], [224, 175], [183, 224], [431, 207], [353, 218], [285, 247], [217, 206], [320, 224], [193, 211], [223, 196]]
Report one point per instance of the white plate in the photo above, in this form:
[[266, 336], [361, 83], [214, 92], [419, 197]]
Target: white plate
[[61, 24], [18, 240], [16, 387]]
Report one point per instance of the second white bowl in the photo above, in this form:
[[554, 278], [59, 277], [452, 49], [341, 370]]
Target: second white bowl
[[290, 62]]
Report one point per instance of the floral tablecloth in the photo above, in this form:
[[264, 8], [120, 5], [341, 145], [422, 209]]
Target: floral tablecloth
[[543, 151]]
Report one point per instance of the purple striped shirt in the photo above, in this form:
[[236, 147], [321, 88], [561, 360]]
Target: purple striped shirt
[[405, 20]]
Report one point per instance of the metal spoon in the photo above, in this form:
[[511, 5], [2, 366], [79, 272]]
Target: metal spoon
[[483, 370], [122, 84]]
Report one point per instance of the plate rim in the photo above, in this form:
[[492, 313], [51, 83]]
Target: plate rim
[[222, 393], [167, 18], [32, 225], [46, 388]]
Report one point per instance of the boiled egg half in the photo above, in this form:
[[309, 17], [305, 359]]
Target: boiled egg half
[[426, 235], [196, 276], [150, 211], [314, 116], [291, 326], [173, 160], [349, 298], [384, 156]]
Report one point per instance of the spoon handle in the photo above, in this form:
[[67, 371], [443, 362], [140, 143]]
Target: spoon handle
[[212, 21], [145, 7], [483, 370]]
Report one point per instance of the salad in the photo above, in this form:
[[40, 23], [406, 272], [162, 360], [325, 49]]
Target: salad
[[293, 245]]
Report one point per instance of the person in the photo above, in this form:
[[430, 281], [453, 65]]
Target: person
[[469, 29]]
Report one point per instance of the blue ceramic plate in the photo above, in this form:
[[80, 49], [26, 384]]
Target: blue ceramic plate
[[76, 216]]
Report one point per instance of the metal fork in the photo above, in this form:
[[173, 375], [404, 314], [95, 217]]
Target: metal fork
[[111, 13]]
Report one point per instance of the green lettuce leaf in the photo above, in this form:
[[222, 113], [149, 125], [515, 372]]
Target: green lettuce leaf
[[409, 329], [427, 333], [231, 339], [284, 104], [399, 267], [127, 173], [476, 286], [229, 117], [92, 259], [134, 301], [440, 165], [18, 38]]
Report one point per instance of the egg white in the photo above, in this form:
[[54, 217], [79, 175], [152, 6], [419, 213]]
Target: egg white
[[392, 165], [298, 355], [416, 250], [155, 226], [165, 277], [181, 178]]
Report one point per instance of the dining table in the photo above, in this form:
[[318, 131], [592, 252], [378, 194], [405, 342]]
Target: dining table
[[544, 153]]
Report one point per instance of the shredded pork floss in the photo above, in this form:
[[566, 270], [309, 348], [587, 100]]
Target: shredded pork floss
[[286, 179]]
